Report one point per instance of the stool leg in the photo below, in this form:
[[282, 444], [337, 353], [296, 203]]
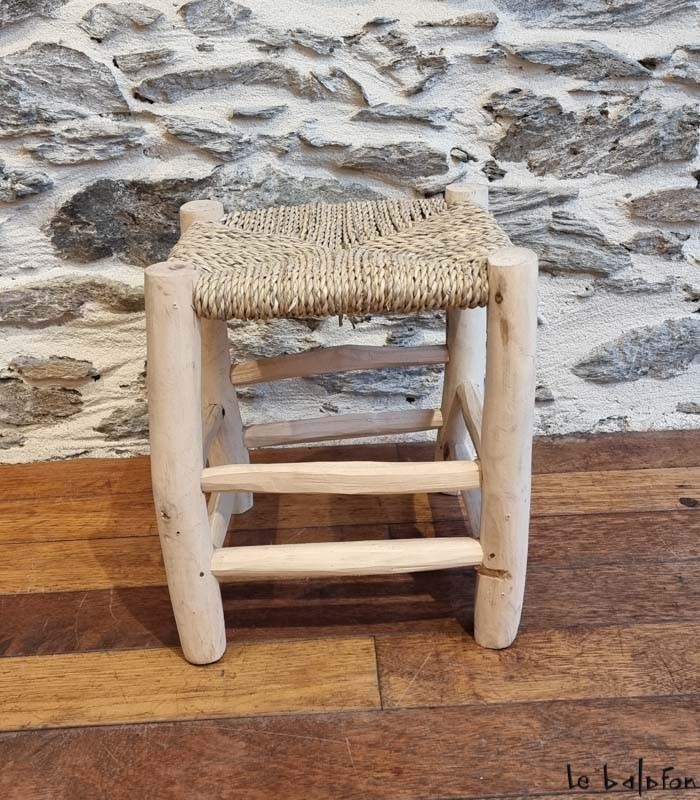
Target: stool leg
[[174, 408], [506, 444], [466, 345], [228, 446]]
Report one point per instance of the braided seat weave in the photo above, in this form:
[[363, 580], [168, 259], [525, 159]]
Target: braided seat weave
[[351, 258]]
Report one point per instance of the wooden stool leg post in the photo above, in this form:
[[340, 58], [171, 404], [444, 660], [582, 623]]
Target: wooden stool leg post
[[466, 345], [228, 446], [174, 407], [506, 444]]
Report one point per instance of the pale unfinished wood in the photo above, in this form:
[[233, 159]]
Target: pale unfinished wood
[[466, 344], [342, 358], [471, 403], [327, 559], [175, 423], [343, 477], [506, 437], [212, 416], [228, 446], [108, 688], [344, 426]]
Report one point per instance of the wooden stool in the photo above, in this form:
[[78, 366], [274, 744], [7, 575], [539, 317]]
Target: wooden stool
[[325, 260]]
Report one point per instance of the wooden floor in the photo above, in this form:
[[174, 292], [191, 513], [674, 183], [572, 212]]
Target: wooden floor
[[355, 688]]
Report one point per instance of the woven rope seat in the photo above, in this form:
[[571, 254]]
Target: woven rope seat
[[360, 257]]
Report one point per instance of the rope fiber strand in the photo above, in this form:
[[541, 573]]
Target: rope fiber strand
[[349, 258]]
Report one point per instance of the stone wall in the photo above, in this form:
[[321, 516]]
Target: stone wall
[[583, 117]]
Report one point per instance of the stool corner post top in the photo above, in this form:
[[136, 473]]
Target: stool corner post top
[[473, 191], [200, 211], [508, 257]]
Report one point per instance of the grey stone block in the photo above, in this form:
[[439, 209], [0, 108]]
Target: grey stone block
[[47, 83], [654, 351]]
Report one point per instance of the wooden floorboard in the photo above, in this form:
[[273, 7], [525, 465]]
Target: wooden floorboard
[[577, 539], [440, 602], [458, 753], [135, 686], [606, 667], [554, 494], [91, 476], [443, 670]]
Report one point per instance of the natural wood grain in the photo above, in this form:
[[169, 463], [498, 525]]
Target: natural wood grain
[[645, 660], [176, 389], [75, 517], [81, 564], [597, 452], [313, 560], [465, 337], [149, 685], [615, 491], [470, 754], [350, 477], [342, 426], [506, 444], [342, 358], [604, 451], [471, 401], [575, 494], [89, 476], [439, 602], [130, 515]]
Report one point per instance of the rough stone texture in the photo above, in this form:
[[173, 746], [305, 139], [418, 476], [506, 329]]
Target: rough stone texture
[[599, 14], [55, 369], [385, 112], [61, 300], [348, 102], [222, 140], [474, 19], [409, 68], [21, 404], [130, 422], [11, 440], [105, 19], [16, 10], [657, 243], [258, 112], [684, 66], [401, 161], [213, 17], [137, 220], [92, 140], [411, 383], [566, 244], [134, 62], [276, 41], [656, 351], [588, 60], [632, 283], [18, 183], [619, 140], [175, 85], [667, 206], [47, 83]]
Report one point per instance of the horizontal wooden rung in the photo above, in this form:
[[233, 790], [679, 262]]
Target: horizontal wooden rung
[[385, 557], [342, 358], [344, 426], [343, 477]]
